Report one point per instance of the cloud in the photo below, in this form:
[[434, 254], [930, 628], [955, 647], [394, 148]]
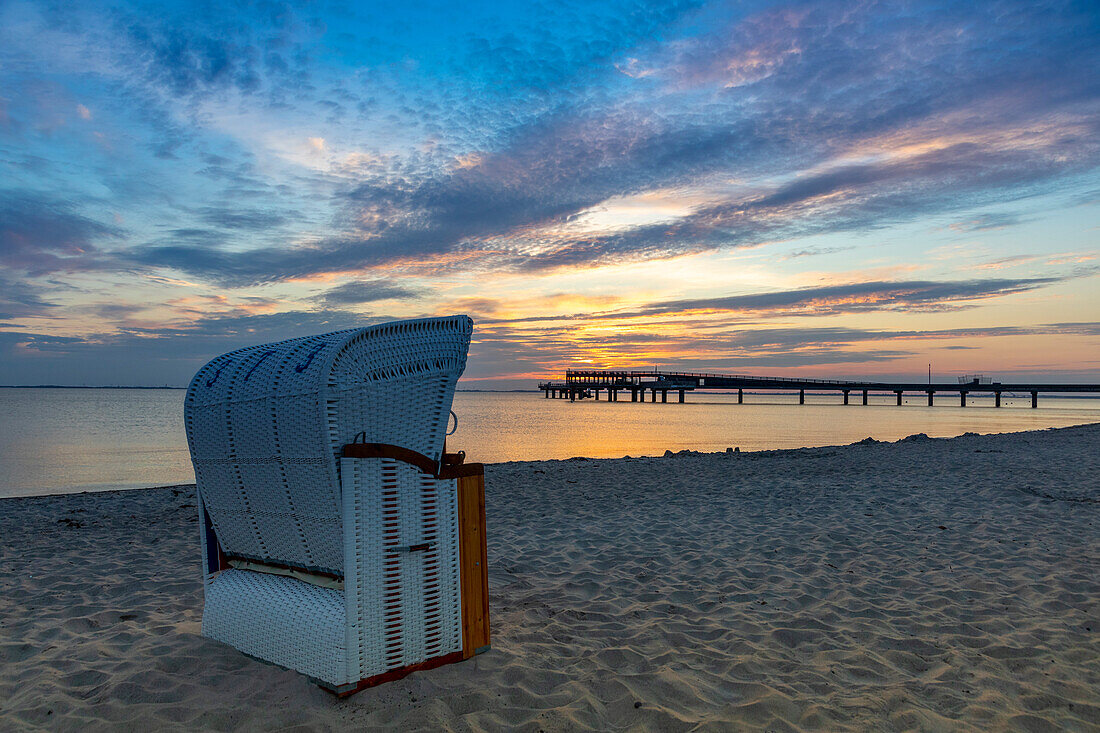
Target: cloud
[[829, 118], [155, 354], [367, 291], [987, 222], [505, 349], [172, 353], [919, 296], [493, 148], [503, 209], [40, 234], [1003, 262], [188, 61], [21, 299], [827, 113], [1071, 258], [815, 251], [37, 340], [915, 295], [234, 217], [1082, 328], [861, 199]]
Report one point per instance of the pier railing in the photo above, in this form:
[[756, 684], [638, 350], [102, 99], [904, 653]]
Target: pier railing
[[572, 375]]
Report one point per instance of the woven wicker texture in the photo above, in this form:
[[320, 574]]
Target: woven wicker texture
[[281, 620], [406, 604], [266, 426]]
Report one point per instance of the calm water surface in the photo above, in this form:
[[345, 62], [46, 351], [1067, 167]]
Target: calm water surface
[[66, 440]]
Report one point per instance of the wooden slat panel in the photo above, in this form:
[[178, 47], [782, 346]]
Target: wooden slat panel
[[473, 564]]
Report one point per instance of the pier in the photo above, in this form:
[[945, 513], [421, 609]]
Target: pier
[[580, 384]]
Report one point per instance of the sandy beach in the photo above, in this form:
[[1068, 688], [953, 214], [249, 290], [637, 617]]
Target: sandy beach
[[928, 584]]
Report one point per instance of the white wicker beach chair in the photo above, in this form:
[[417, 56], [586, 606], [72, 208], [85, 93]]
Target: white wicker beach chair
[[339, 540]]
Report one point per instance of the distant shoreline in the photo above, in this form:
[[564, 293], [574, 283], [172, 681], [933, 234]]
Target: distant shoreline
[[1066, 395], [125, 386], [80, 386]]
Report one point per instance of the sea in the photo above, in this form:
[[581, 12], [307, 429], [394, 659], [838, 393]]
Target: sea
[[69, 440]]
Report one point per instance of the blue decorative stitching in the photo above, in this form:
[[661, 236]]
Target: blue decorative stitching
[[210, 382], [302, 367], [261, 361]]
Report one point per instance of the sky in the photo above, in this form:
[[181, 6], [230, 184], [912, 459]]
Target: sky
[[831, 189]]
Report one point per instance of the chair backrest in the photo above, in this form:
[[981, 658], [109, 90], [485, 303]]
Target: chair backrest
[[266, 425]]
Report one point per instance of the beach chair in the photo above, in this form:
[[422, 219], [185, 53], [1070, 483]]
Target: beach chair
[[338, 538]]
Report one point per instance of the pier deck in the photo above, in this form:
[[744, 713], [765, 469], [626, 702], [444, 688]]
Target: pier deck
[[579, 384]]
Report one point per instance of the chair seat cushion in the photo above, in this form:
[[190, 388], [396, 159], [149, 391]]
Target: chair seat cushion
[[279, 619]]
